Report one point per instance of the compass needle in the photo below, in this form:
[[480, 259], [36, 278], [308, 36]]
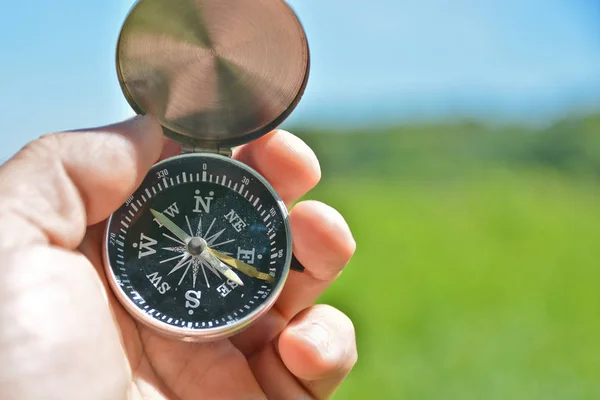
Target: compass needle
[[210, 94], [241, 266]]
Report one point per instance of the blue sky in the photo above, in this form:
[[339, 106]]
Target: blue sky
[[377, 61]]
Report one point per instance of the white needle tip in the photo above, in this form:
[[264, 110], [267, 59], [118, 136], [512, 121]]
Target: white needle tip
[[232, 276]]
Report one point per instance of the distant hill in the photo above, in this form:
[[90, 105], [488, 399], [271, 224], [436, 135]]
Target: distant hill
[[436, 151]]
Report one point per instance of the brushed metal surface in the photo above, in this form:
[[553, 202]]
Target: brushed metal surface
[[217, 73]]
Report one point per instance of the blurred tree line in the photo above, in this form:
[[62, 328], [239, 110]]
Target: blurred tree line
[[445, 151]]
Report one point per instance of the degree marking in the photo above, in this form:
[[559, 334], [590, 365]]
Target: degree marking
[[153, 190], [134, 207], [256, 202], [148, 193], [204, 176], [267, 218], [184, 178], [165, 182], [224, 179], [127, 218], [124, 224], [234, 187], [242, 188], [143, 199], [124, 231], [251, 197], [160, 187], [210, 178], [177, 178], [131, 213], [172, 183], [120, 243], [139, 203], [272, 236], [259, 207]]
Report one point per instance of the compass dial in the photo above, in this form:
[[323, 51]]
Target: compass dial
[[194, 221]]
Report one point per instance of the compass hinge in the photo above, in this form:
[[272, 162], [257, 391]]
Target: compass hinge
[[188, 148]]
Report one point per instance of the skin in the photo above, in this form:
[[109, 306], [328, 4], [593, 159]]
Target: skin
[[63, 335]]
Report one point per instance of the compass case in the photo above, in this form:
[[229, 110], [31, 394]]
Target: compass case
[[216, 73]]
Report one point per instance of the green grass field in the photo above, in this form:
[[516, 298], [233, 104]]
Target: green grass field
[[483, 286]]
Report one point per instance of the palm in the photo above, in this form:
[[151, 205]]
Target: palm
[[162, 366]]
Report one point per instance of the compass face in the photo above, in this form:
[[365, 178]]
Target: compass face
[[171, 278]]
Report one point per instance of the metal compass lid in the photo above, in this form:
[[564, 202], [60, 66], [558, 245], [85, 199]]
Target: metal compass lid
[[216, 73]]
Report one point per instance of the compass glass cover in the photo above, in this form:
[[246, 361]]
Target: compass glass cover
[[227, 206], [222, 72]]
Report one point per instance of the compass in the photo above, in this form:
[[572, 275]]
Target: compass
[[203, 247]]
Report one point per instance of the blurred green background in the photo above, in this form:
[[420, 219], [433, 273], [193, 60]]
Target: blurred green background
[[476, 272]]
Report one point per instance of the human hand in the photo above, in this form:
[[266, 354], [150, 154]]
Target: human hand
[[63, 335]]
